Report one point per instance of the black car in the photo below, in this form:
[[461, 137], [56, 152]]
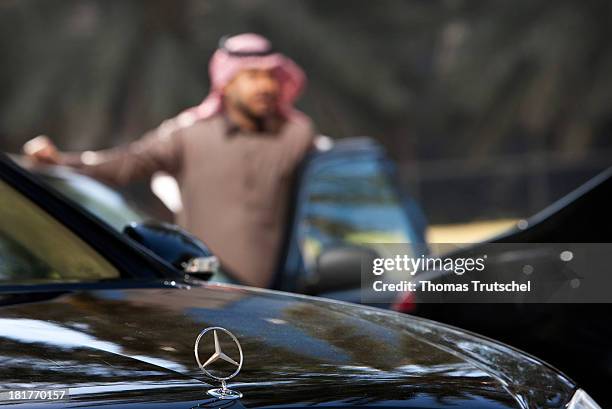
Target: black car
[[346, 199], [575, 337], [91, 313]]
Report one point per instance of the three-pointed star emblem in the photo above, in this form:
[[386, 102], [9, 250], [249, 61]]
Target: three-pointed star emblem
[[218, 354], [223, 392]]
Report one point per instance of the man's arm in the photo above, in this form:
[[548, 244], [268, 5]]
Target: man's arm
[[159, 149]]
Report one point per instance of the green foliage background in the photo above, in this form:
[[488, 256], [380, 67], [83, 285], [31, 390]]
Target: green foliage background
[[435, 81]]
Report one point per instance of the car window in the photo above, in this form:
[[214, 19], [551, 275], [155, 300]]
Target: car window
[[100, 200], [36, 248], [350, 200]]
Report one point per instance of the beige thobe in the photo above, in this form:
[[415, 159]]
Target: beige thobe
[[234, 184]]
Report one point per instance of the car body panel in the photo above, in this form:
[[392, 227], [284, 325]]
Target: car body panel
[[133, 346], [573, 337]]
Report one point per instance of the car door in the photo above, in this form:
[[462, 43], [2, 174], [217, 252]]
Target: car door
[[347, 195]]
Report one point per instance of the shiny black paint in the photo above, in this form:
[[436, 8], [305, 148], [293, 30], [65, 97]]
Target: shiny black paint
[[127, 347], [169, 242], [576, 338]]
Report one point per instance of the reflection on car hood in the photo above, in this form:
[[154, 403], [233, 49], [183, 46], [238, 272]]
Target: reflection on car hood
[[132, 346]]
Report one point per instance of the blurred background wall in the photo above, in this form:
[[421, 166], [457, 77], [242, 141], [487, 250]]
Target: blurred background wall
[[491, 108]]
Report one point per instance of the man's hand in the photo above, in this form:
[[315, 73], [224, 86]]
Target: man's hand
[[42, 150]]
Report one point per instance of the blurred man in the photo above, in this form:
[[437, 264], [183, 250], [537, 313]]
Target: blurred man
[[233, 156]]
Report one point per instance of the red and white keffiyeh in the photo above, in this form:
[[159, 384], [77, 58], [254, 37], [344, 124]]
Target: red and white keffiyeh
[[249, 51]]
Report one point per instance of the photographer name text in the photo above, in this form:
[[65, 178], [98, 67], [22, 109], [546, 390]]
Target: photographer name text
[[428, 286]]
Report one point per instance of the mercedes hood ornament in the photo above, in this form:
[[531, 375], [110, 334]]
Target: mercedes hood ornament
[[218, 360]]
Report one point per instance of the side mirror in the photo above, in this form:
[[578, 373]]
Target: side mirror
[[171, 243], [339, 268]]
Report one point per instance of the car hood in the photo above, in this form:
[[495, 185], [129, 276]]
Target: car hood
[[127, 347]]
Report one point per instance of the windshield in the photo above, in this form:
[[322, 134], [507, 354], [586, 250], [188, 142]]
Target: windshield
[[36, 248]]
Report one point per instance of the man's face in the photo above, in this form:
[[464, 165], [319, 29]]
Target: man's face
[[254, 91]]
